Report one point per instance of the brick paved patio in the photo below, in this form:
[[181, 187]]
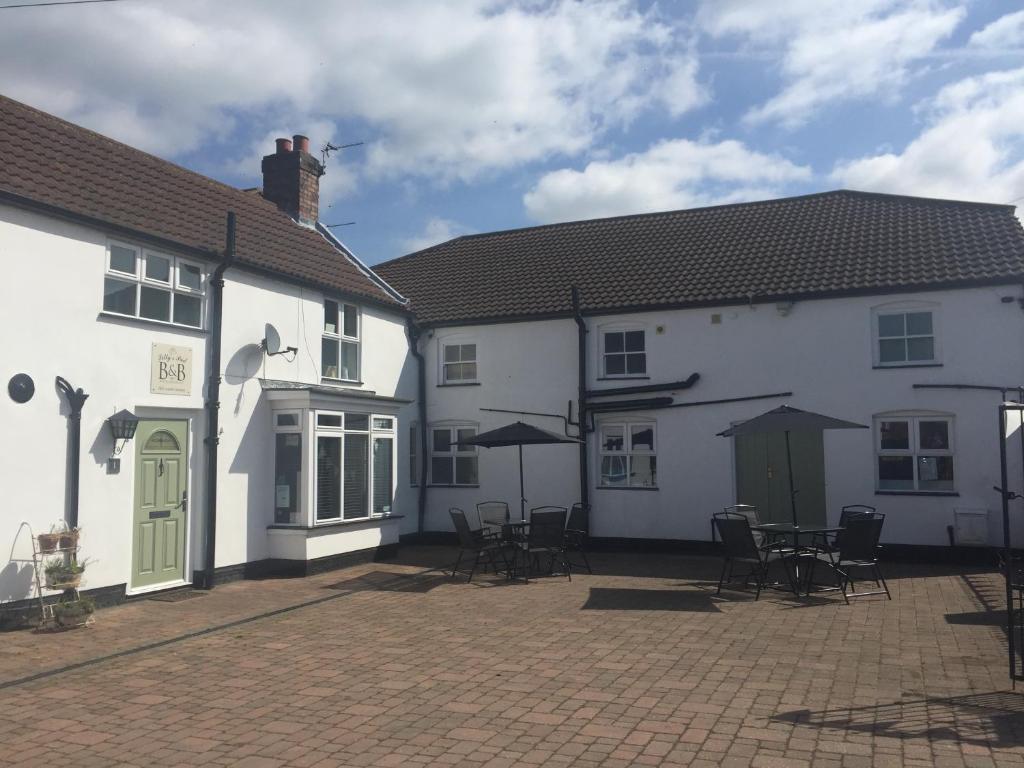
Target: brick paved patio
[[391, 664]]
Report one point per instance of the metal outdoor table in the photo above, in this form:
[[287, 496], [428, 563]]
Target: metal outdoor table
[[794, 532], [517, 535]]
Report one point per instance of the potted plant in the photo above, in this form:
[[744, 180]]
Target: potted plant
[[63, 574], [68, 539], [48, 541], [73, 613]]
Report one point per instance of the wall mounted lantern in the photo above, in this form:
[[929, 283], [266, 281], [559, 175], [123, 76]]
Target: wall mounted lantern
[[122, 427]]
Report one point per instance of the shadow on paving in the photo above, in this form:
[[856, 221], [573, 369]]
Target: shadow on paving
[[611, 599], [388, 581], [994, 720]]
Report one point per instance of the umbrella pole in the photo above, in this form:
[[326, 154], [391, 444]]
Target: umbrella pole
[[792, 490], [522, 493]]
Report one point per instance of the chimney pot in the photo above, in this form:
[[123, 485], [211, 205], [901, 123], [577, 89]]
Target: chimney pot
[[291, 179]]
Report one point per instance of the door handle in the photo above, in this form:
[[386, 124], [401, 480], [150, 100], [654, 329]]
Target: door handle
[[183, 504]]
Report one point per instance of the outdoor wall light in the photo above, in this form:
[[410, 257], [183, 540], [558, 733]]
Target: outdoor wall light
[[122, 427]]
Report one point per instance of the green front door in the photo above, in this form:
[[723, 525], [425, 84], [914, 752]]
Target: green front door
[[763, 481], [161, 510]]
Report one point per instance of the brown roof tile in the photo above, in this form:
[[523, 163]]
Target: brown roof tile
[[831, 243], [47, 160]]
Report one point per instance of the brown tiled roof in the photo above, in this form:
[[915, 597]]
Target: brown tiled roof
[[46, 160], [826, 244]]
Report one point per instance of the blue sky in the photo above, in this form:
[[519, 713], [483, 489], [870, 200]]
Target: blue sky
[[480, 115]]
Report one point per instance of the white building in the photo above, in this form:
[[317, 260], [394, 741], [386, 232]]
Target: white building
[[126, 248], [843, 303], [340, 401]]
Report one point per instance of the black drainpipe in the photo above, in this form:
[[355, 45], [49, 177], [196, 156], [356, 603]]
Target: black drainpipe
[[76, 399], [213, 402], [421, 399], [581, 343]]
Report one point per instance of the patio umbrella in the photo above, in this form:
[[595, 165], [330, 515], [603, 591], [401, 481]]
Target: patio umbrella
[[787, 419], [518, 434]]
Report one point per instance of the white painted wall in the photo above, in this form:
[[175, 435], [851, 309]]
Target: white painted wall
[[821, 351], [50, 302]]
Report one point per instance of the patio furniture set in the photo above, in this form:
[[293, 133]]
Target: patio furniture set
[[520, 548], [846, 548]]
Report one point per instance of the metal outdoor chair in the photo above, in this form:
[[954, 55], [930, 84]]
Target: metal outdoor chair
[[750, 512], [858, 548], [831, 543], [741, 547], [493, 517], [478, 545], [576, 534], [545, 538]]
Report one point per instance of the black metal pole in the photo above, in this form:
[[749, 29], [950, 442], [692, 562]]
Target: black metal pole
[[522, 491], [213, 402], [76, 399], [1007, 552], [581, 345], [792, 490], [415, 332]]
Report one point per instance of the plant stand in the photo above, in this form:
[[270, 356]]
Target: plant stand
[[40, 551]]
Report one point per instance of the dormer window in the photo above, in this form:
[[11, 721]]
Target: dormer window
[[340, 345], [153, 286]]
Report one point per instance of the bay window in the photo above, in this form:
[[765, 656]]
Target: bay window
[[355, 466]]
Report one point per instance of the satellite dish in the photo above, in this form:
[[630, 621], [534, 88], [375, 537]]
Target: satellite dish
[[271, 344], [271, 340]]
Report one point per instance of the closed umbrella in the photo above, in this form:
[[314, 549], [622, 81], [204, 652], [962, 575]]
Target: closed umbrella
[[518, 434], [787, 419]]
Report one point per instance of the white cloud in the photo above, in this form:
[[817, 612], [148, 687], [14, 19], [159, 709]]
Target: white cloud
[[1006, 32], [833, 50], [669, 175], [972, 147], [448, 90], [436, 230]]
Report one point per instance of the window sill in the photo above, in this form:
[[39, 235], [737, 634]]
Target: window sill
[[917, 493], [906, 365], [460, 384], [333, 523], [454, 487], [627, 488], [349, 382], [623, 378], [113, 317]]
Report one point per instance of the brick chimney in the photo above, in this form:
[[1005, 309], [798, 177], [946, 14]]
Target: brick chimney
[[291, 179]]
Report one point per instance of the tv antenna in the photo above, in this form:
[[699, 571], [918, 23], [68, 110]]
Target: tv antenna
[[325, 152]]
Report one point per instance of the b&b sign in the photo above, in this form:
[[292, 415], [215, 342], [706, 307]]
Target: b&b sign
[[171, 370]]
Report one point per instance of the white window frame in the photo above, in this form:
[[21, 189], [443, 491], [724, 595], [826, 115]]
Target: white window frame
[[453, 453], [905, 308], [457, 341], [372, 432], [914, 449], [603, 353], [338, 337], [300, 482], [628, 452], [173, 285]]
